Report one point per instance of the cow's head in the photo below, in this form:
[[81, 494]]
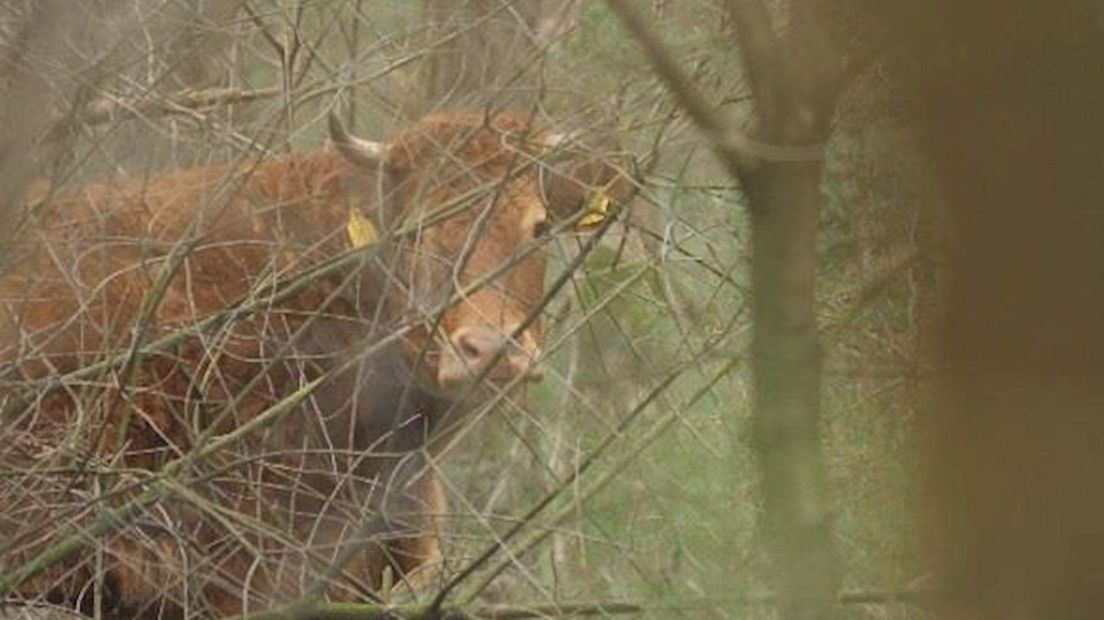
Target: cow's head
[[478, 196]]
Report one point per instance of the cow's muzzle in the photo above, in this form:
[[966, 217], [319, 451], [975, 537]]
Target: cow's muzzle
[[488, 353]]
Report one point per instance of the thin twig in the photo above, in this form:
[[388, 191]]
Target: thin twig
[[729, 144]]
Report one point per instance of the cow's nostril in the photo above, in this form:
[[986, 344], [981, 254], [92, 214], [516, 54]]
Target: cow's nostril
[[484, 353], [468, 347]]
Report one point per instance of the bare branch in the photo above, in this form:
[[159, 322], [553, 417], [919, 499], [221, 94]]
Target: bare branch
[[729, 144], [107, 110]]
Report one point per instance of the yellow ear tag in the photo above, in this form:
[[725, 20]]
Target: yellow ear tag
[[597, 209], [360, 229]]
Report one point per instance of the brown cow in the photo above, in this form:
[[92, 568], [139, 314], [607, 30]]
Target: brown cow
[[461, 203]]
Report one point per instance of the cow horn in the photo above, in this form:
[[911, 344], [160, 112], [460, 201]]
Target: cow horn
[[357, 150]]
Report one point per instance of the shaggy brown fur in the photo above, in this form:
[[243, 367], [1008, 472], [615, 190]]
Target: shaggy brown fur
[[254, 525]]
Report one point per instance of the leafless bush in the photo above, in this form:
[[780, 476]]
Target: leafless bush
[[589, 488]]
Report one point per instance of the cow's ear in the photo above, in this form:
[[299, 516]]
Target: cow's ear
[[588, 192]]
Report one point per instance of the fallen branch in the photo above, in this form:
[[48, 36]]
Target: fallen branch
[[371, 611], [351, 611]]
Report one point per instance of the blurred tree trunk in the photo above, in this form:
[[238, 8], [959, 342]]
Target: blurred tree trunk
[[483, 51], [197, 57], [794, 79], [1010, 100], [27, 99]]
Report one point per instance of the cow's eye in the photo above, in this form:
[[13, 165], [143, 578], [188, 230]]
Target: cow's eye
[[540, 228]]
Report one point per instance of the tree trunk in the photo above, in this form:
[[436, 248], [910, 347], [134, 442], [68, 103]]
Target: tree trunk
[[197, 55], [481, 51], [786, 366], [794, 80]]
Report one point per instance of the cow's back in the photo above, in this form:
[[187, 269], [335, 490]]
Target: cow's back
[[86, 255]]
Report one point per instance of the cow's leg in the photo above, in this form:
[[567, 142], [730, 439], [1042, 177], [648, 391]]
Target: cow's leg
[[412, 546], [159, 575], [162, 571], [418, 557], [404, 537], [139, 579]]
